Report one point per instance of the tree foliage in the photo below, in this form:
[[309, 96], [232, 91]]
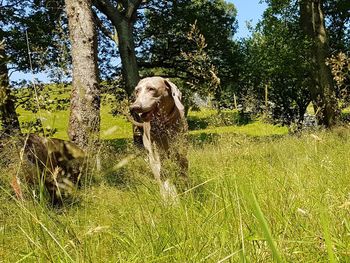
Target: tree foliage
[[340, 67], [271, 72], [338, 24], [34, 24], [165, 38], [276, 66], [280, 61]]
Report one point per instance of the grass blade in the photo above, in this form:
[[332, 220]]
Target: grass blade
[[266, 230], [327, 237]]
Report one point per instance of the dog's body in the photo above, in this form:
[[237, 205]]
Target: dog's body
[[52, 162], [158, 102]]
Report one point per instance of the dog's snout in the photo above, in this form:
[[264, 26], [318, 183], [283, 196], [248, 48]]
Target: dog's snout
[[135, 107]]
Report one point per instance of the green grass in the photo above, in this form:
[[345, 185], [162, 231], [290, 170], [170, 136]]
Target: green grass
[[253, 199], [117, 127], [257, 194], [111, 127], [257, 128]]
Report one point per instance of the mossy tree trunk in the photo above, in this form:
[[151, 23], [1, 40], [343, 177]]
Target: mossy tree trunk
[[322, 89], [123, 17], [127, 55], [84, 120], [9, 118]]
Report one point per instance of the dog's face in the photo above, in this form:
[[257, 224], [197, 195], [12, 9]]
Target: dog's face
[[152, 95]]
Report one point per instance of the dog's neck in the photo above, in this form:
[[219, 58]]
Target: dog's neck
[[169, 117]]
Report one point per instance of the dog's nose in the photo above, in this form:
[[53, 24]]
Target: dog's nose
[[135, 107]]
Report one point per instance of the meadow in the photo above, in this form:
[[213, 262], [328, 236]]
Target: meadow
[[257, 194]]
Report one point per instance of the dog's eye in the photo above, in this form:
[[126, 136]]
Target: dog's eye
[[151, 89]]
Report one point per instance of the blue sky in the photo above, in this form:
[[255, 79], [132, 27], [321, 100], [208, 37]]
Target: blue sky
[[247, 10]]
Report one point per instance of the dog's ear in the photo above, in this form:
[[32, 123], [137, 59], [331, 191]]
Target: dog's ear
[[176, 94]]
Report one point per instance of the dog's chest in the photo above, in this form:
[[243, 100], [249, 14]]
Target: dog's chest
[[161, 128]]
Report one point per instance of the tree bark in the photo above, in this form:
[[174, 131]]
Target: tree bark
[[322, 88], [84, 120], [130, 70], [9, 118], [124, 22], [127, 55]]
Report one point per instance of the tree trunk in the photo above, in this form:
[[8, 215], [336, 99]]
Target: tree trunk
[[130, 69], [9, 118], [124, 22], [322, 89], [84, 120], [127, 55]]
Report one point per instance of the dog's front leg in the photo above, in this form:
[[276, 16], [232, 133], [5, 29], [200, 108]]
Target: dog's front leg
[[167, 188]]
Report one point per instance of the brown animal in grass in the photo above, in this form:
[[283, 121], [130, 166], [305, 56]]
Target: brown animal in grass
[[158, 104], [55, 163]]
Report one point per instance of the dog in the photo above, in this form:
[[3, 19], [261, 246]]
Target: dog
[[161, 115], [54, 163]]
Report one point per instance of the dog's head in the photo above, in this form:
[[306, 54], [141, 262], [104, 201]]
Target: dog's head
[[155, 94]]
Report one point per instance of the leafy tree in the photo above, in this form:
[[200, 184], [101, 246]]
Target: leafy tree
[[275, 66], [338, 25], [322, 89], [23, 24], [165, 39], [337, 13], [123, 15], [285, 61], [340, 67], [201, 77], [8, 116]]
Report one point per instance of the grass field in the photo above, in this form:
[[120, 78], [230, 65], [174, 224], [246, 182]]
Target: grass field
[[257, 195], [117, 127]]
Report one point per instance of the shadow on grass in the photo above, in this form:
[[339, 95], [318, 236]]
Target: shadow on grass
[[218, 120], [125, 145], [345, 117], [204, 138], [119, 178], [119, 145], [197, 123]]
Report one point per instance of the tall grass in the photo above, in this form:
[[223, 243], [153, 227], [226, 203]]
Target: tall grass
[[252, 199]]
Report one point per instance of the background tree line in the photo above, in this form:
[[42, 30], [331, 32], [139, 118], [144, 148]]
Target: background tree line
[[297, 54]]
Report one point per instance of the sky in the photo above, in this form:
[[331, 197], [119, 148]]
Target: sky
[[247, 10]]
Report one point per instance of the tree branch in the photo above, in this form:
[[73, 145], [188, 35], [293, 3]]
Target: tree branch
[[132, 7], [181, 72], [107, 8], [172, 76], [23, 101], [103, 29]]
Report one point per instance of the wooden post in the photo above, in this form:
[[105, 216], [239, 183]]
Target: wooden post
[[266, 112], [266, 96], [235, 101]]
